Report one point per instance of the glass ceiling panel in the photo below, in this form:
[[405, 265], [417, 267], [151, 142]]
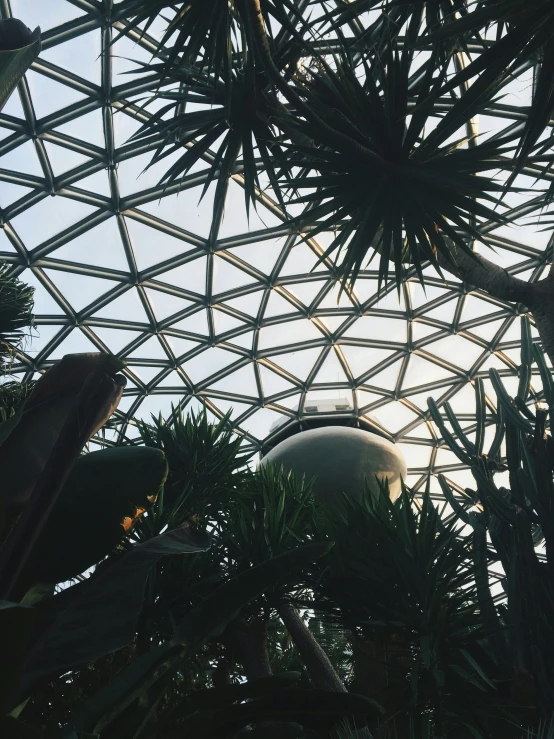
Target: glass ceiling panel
[[246, 319]]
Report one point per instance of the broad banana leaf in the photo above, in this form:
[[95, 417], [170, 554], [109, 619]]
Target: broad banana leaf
[[98, 615], [19, 47], [16, 624], [208, 618], [104, 495], [28, 437]]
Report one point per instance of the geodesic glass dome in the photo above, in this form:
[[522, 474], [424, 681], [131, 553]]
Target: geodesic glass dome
[[244, 317]]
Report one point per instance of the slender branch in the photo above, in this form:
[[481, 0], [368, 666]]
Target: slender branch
[[317, 662]]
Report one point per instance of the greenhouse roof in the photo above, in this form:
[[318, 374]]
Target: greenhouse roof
[[243, 317]]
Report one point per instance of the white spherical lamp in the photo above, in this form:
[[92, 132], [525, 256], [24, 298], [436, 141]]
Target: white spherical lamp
[[342, 459]]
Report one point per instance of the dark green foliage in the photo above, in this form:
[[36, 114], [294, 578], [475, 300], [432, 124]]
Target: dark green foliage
[[376, 182], [204, 463], [12, 396], [520, 522], [403, 581], [98, 615], [104, 494], [16, 304]]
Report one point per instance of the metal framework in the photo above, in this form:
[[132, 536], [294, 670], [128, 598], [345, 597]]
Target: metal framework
[[231, 315]]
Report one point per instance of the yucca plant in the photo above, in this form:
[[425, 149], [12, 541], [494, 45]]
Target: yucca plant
[[205, 464], [402, 580]]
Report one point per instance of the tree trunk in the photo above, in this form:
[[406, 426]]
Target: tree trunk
[[317, 662], [247, 642], [537, 297]]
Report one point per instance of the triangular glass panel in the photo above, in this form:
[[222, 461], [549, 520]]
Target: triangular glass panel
[[173, 379], [248, 304], [180, 346], [298, 363], [48, 217], [164, 304], [185, 210], [97, 182], [421, 372], [145, 373], [10, 193], [100, 246], [207, 363], [444, 312], [291, 332], [40, 336], [82, 55], [278, 306], [79, 290], [332, 323], [423, 330], [302, 260], [62, 160], [273, 383], [260, 422], [362, 359], [330, 371], [75, 343], [240, 382], [190, 276], [365, 398], [23, 158], [89, 122], [152, 246], [235, 220], [45, 15], [378, 328], [262, 255], [224, 322], [306, 292], [459, 351], [48, 95], [44, 303], [387, 377], [226, 276], [114, 338], [126, 307], [150, 349], [5, 244], [197, 323], [244, 340]]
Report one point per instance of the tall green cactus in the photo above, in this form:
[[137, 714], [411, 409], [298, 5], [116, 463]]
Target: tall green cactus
[[518, 521]]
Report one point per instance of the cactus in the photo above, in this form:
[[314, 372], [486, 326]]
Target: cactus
[[517, 520]]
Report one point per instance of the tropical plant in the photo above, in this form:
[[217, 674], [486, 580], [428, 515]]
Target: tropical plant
[[367, 125], [518, 519], [16, 304], [19, 47]]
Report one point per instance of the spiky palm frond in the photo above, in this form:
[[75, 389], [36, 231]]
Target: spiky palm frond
[[403, 581], [525, 33], [16, 304], [274, 515], [234, 117], [214, 35], [204, 461], [377, 179]]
